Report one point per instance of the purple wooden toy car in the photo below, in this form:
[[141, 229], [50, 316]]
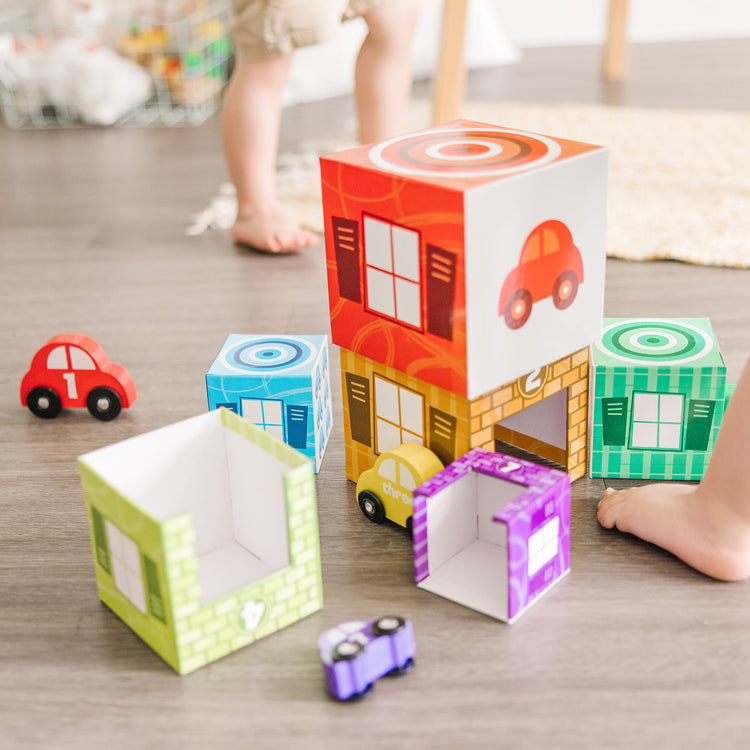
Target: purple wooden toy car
[[355, 654]]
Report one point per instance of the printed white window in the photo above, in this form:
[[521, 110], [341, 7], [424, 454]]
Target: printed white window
[[57, 359], [392, 271], [266, 414], [657, 420], [543, 545], [126, 566], [80, 360], [399, 415]]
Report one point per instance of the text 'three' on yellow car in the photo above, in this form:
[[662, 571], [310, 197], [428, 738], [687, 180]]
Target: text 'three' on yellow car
[[387, 489]]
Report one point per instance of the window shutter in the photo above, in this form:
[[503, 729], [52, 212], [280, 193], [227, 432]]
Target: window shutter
[[346, 247], [441, 291], [358, 396], [614, 420], [699, 421], [296, 426], [100, 541], [443, 435], [155, 599]]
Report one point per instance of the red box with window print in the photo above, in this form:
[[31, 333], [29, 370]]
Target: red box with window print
[[467, 254]]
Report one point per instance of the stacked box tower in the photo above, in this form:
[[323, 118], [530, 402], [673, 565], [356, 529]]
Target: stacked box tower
[[466, 275]]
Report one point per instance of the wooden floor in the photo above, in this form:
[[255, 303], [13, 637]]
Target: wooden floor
[[632, 650]]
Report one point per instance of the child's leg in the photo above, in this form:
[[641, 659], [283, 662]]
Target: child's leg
[[250, 119], [383, 71], [708, 525]]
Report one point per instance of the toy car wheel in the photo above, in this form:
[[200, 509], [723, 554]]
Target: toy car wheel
[[44, 402], [371, 507], [347, 650], [388, 625], [518, 308], [362, 694], [407, 666], [103, 403], [565, 290]]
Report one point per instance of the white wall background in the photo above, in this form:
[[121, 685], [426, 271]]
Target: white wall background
[[552, 22], [499, 29]]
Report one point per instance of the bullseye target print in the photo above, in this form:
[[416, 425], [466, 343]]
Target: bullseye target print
[[266, 354], [654, 341], [464, 152]]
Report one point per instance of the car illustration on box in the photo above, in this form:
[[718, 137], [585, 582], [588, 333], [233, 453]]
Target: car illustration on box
[[72, 370], [356, 654], [550, 265], [387, 489]]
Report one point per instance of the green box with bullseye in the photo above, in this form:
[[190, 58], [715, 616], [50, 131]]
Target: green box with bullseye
[[658, 398]]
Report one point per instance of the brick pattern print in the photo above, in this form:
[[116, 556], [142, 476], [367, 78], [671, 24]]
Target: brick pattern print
[[475, 420]]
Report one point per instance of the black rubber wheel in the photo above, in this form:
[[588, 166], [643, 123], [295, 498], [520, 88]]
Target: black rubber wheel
[[565, 290], [371, 506], [44, 402], [407, 666], [388, 625], [347, 651], [360, 696], [518, 308], [103, 403]]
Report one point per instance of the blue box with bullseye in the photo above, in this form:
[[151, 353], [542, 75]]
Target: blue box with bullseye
[[278, 383]]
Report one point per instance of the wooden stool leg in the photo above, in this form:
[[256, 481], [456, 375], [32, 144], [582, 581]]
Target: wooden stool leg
[[615, 62], [450, 78]]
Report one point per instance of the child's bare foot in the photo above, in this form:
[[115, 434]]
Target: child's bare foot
[[702, 531], [270, 230]]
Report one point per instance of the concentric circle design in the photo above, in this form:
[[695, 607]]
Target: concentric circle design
[[259, 355], [460, 150], [653, 341], [464, 152]]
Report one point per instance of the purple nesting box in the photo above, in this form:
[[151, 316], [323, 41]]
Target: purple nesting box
[[492, 532]]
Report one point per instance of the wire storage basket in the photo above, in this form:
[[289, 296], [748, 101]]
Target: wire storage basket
[[66, 63]]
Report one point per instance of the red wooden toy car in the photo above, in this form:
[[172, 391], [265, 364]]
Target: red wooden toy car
[[73, 370], [550, 265]]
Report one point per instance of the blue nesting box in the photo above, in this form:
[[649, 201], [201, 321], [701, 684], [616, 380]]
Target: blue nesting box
[[279, 383]]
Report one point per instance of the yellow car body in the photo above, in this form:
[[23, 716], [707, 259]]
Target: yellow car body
[[387, 489]]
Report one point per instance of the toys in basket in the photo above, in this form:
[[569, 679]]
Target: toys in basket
[[61, 64]]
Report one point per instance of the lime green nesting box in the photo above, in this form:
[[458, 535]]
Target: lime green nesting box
[[205, 535], [658, 398]]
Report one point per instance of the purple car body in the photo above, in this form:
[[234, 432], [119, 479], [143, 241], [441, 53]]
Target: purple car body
[[356, 654]]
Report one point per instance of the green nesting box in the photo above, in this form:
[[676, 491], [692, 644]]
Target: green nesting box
[[205, 536], [659, 391]]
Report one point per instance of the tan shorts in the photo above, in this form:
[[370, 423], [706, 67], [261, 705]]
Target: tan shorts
[[268, 28]]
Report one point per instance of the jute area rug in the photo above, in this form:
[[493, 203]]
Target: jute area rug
[[679, 180]]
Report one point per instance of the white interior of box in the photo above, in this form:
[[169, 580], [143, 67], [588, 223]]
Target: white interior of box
[[232, 488], [468, 551]]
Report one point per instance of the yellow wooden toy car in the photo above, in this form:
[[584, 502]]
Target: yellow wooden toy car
[[387, 489]]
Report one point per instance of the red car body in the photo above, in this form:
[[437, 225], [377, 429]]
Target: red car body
[[72, 370], [550, 265]]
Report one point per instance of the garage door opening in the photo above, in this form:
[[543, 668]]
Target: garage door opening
[[537, 432]]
